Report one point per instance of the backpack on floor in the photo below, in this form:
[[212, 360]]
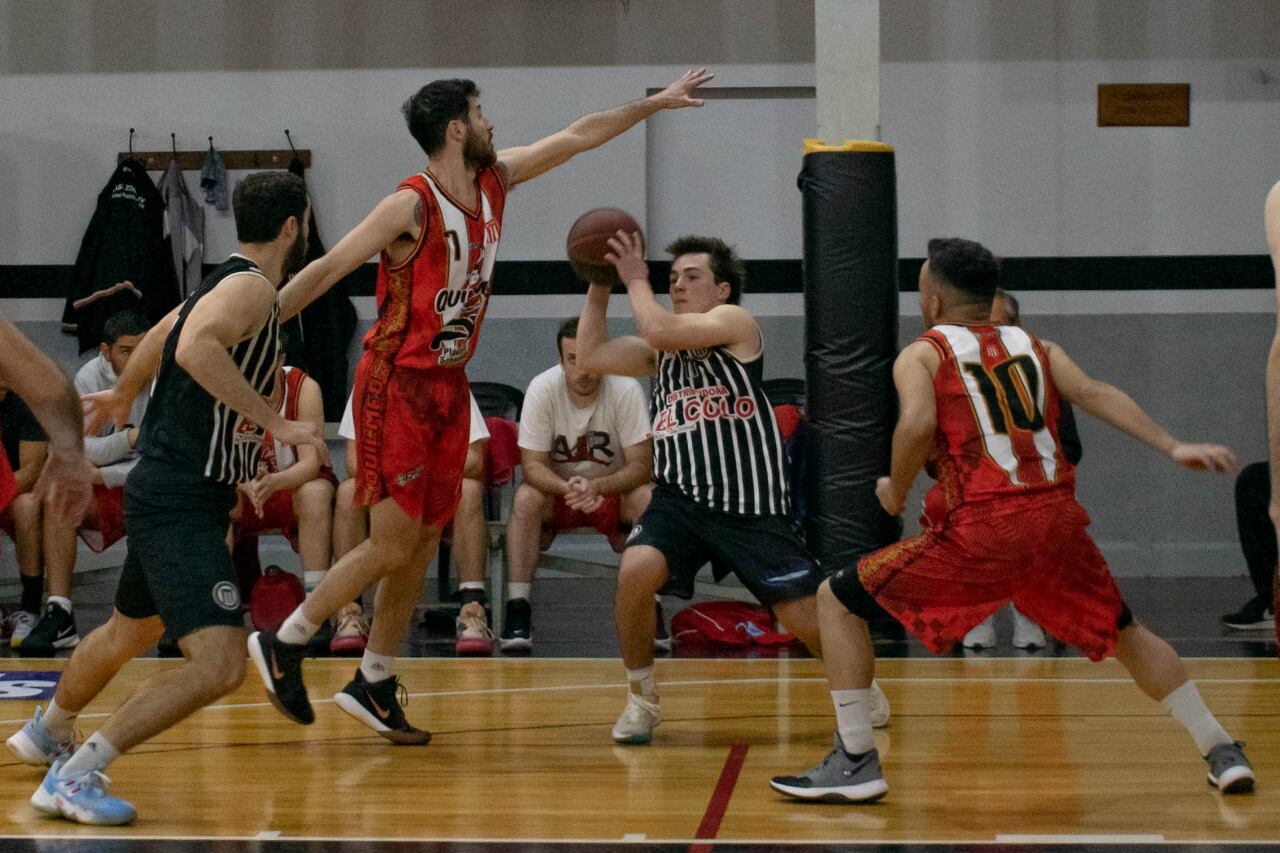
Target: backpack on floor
[[732, 623], [275, 595]]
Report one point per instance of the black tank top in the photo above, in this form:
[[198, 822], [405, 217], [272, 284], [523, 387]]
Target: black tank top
[[185, 427]]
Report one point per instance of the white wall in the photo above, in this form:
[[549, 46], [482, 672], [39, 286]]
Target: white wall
[[991, 104]]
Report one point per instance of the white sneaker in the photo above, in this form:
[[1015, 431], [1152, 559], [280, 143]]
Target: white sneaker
[[636, 723], [20, 624], [879, 707], [1026, 634], [983, 635]]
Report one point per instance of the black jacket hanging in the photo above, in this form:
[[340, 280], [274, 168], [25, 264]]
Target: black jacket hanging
[[124, 260], [319, 337]]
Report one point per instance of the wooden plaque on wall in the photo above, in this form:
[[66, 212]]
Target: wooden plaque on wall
[[1144, 104]]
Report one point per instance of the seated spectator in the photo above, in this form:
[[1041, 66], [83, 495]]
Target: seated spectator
[[1026, 633], [1258, 542], [470, 544], [112, 455], [294, 491], [26, 447], [586, 452]]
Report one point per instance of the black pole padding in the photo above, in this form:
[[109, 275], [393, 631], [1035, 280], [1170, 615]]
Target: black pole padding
[[851, 340]]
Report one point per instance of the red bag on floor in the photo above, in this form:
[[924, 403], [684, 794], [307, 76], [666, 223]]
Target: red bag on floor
[[732, 623], [275, 595]]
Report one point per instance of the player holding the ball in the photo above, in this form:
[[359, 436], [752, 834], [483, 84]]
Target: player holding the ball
[[718, 460], [436, 238]]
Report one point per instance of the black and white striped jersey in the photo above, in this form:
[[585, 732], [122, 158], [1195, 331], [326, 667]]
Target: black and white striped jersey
[[186, 427], [714, 434]]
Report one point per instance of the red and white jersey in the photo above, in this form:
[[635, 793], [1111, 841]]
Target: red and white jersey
[[431, 305], [997, 409]]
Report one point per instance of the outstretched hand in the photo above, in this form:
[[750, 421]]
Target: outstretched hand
[[103, 407], [1205, 457], [679, 94], [626, 253]]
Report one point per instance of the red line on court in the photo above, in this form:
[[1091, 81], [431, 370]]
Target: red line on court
[[720, 796]]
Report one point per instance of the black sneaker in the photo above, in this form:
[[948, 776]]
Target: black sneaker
[[318, 645], [661, 636], [280, 666], [55, 630], [1256, 615], [517, 627], [380, 706]]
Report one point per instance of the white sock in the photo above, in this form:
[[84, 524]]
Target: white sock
[[519, 590], [60, 600], [472, 585], [853, 719], [59, 722], [643, 679], [376, 667], [311, 580], [296, 630], [96, 753], [1185, 705]]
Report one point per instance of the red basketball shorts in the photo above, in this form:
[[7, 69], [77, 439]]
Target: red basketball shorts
[[108, 505], [412, 430], [607, 518], [277, 516], [1032, 551]]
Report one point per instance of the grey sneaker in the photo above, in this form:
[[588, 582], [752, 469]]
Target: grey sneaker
[[1229, 770], [840, 778]]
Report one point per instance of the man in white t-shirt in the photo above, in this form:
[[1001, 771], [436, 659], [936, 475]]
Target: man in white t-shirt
[[586, 452], [470, 545]]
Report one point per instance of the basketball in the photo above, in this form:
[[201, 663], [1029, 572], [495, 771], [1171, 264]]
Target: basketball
[[589, 242]]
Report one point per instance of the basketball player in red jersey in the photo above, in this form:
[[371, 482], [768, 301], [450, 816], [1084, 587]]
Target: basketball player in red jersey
[[1272, 220], [979, 405], [437, 239]]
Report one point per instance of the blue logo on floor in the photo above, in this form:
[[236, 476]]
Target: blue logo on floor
[[28, 685]]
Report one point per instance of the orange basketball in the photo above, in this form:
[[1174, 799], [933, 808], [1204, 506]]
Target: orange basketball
[[588, 243]]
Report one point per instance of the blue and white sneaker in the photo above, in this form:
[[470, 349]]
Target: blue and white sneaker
[[34, 745], [83, 799]]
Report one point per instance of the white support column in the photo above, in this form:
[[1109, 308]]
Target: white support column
[[847, 59]]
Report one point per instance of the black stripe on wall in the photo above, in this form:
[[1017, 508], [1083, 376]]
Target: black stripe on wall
[[534, 278]]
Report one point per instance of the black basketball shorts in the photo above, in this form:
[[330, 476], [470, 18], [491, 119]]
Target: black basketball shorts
[[763, 551], [178, 566]]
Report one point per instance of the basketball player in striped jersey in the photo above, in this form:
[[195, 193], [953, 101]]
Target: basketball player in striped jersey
[[1272, 221], [979, 404], [437, 239], [201, 438], [718, 460]]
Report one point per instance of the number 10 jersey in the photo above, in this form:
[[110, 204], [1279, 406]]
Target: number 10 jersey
[[997, 410]]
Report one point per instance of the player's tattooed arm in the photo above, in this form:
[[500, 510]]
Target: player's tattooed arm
[[917, 419], [394, 217]]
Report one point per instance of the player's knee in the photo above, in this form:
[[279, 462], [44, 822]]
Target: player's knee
[[221, 672], [129, 638], [641, 574], [528, 502], [314, 499], [26, 509]]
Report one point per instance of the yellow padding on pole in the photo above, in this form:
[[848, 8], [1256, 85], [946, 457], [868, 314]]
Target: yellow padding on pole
[[814, 146]]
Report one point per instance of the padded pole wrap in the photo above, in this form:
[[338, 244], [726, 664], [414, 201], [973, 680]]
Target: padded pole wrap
[[851, 340]]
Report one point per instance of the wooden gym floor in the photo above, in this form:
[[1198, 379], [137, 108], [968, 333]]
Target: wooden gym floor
[[1012, 749], [979, 751]]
